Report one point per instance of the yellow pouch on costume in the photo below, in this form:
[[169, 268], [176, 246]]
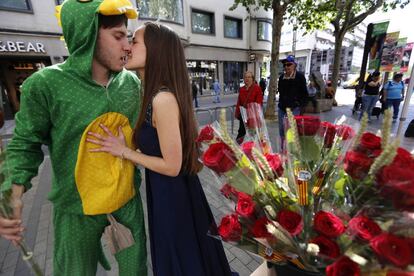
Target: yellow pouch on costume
[[105, 183], [117, 7]]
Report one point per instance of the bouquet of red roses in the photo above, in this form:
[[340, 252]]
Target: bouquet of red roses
[[348, 196], [329, 204], [255, 125], [249, 179]]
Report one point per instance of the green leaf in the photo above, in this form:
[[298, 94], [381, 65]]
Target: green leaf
[[339, 186], [242, 179], [310, 149]]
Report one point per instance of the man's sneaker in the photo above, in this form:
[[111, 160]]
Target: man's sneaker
[[394, 120]]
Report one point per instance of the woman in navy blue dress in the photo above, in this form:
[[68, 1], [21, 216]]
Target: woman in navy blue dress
[[178, 213]]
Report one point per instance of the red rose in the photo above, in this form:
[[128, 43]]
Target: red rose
[[230, 228], [394, 179], [393, 249], [227, 190], [219, 157], [327, 247], [403, 202], [357, 164], [370, 141], [328, 224], [259, 228], [345, 132], [403, 158], [343, 267], [364, 228], [376, 153], [327, 131], [245, 205], [307, 125], [275, 163], [206, 134], [291, 221], [247, 148]]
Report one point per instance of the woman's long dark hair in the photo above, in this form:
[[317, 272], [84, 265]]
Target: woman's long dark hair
[[165, 66]]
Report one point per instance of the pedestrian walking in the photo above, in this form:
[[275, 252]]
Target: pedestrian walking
[[370, 94], [312, 91], [217, 90], [263, 85], [292, 92], [195, 92], [249, 93], [394, 94]]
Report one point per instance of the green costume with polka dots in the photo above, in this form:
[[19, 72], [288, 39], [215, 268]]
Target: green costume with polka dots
[[57, 105]]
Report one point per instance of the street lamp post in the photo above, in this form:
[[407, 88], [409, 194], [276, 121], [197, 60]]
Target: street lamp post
[[407, 99]]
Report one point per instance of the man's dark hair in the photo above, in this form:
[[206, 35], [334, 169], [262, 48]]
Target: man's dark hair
[[397, 75], [112, 21], [376, 74]]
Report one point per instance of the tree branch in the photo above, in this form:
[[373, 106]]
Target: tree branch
[[358, 19], [348, 15]]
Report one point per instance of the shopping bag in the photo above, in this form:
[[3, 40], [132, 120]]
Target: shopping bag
[[117, 236]]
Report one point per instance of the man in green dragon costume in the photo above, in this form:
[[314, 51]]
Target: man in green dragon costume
[[60, 105]]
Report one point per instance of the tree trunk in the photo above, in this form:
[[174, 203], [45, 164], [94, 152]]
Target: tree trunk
[[339, 37], [278, 12]]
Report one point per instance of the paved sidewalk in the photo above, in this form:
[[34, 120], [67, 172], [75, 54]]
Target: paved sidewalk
[[37, 211]]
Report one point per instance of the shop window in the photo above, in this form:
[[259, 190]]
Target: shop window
[[202, 22], [168, 10], [233, 27], [16, 5], [264, 30]]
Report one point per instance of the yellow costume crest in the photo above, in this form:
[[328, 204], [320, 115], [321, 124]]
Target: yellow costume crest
[[109, 7]]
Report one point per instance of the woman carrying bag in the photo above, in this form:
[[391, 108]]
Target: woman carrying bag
[[249, 93]]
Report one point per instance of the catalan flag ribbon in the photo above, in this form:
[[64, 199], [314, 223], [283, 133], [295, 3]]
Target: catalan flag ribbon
[[317, 186], [302, 182], [269, 254]]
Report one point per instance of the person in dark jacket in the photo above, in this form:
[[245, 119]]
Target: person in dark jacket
[[195, 91], [292, 92], [371, 94], [263, 85]]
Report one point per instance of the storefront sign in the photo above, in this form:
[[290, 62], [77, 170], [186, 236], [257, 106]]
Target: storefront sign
[[22, 47], [252, 57]]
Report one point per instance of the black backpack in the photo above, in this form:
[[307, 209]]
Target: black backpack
[[410, 130]]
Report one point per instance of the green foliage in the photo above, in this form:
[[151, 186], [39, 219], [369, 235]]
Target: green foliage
[[346, 14], [255, 4]]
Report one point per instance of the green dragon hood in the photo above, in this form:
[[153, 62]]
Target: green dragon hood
[[80, 29], [79, 21]]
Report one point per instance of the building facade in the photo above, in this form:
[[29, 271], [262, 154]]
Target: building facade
[[315, 51], [29, 41], [219, 43]]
